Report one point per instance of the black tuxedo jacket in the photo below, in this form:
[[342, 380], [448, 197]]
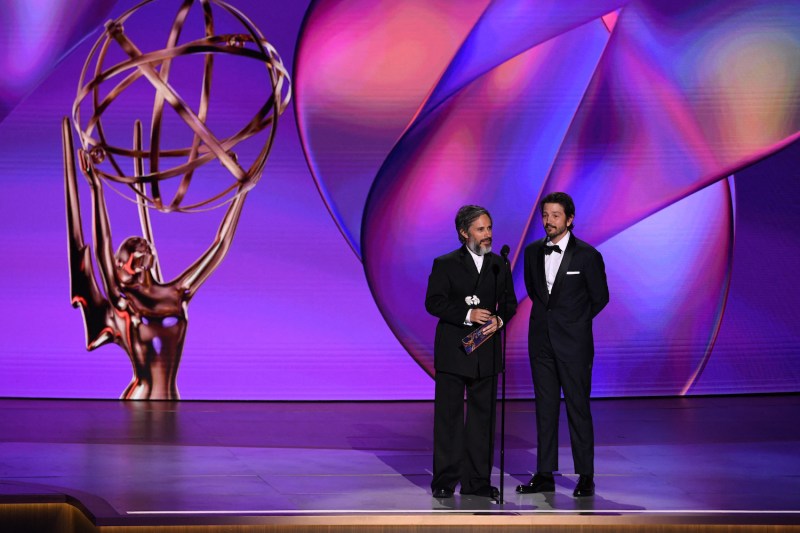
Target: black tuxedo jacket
[[453, 278], [579, 293]]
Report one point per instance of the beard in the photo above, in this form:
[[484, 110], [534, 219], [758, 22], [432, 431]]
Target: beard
[[553, 231], [480, 248]]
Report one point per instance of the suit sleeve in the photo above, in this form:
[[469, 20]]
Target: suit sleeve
[[438, 297], [597, 283], [507, 306], [529, 271]]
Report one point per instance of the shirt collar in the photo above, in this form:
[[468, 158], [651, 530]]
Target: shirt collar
[[478, 259]]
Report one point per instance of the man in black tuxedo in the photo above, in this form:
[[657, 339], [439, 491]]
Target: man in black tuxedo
[[467, 288], [566, 282]]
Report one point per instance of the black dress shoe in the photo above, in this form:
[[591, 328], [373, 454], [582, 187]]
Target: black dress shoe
[[442, 492], [585, 487], [487, 492], [538, 483]]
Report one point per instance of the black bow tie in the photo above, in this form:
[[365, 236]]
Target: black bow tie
[[550, 249]]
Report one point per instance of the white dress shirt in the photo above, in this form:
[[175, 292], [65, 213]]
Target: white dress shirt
[[478, 264], [477, 258], [553, 260]]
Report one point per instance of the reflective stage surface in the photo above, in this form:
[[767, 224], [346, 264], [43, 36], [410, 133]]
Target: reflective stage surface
[[712, 459]]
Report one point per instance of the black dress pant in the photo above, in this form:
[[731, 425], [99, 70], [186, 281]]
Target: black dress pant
[[463, 447], [551, 375]]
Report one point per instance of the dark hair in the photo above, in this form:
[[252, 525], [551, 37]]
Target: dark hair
[[467, 214], [564, 200]]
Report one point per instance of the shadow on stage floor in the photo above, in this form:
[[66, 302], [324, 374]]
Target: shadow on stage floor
[[708, 461]]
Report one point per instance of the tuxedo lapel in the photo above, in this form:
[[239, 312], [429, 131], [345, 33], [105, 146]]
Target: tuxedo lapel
[[469, 263], [563, 267], [541, 278]]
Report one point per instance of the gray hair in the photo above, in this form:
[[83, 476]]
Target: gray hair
[[466, 215]]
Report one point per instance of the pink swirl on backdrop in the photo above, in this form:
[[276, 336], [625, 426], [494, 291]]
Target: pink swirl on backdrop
[[641, 110]]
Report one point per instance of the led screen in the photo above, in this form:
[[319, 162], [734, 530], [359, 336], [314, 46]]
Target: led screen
[[673, 124]]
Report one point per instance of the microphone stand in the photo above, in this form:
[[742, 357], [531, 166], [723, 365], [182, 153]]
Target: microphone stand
[[504, 254], [493, 410]]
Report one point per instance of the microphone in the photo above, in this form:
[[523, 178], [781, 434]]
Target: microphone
[[504, 252]]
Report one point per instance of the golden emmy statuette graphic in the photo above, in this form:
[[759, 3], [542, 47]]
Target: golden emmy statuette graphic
[[132, 305]]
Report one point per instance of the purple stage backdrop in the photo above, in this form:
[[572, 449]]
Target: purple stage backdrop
[[673, 124]]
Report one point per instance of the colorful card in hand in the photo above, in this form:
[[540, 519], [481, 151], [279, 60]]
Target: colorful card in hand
[[475, 339]]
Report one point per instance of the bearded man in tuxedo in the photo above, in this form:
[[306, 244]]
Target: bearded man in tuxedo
[[468, 288], [566, 282]]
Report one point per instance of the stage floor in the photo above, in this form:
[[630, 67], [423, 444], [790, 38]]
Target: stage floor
[[721, 459]]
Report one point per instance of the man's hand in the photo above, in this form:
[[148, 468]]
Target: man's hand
[[492, 326], [479, 316]]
